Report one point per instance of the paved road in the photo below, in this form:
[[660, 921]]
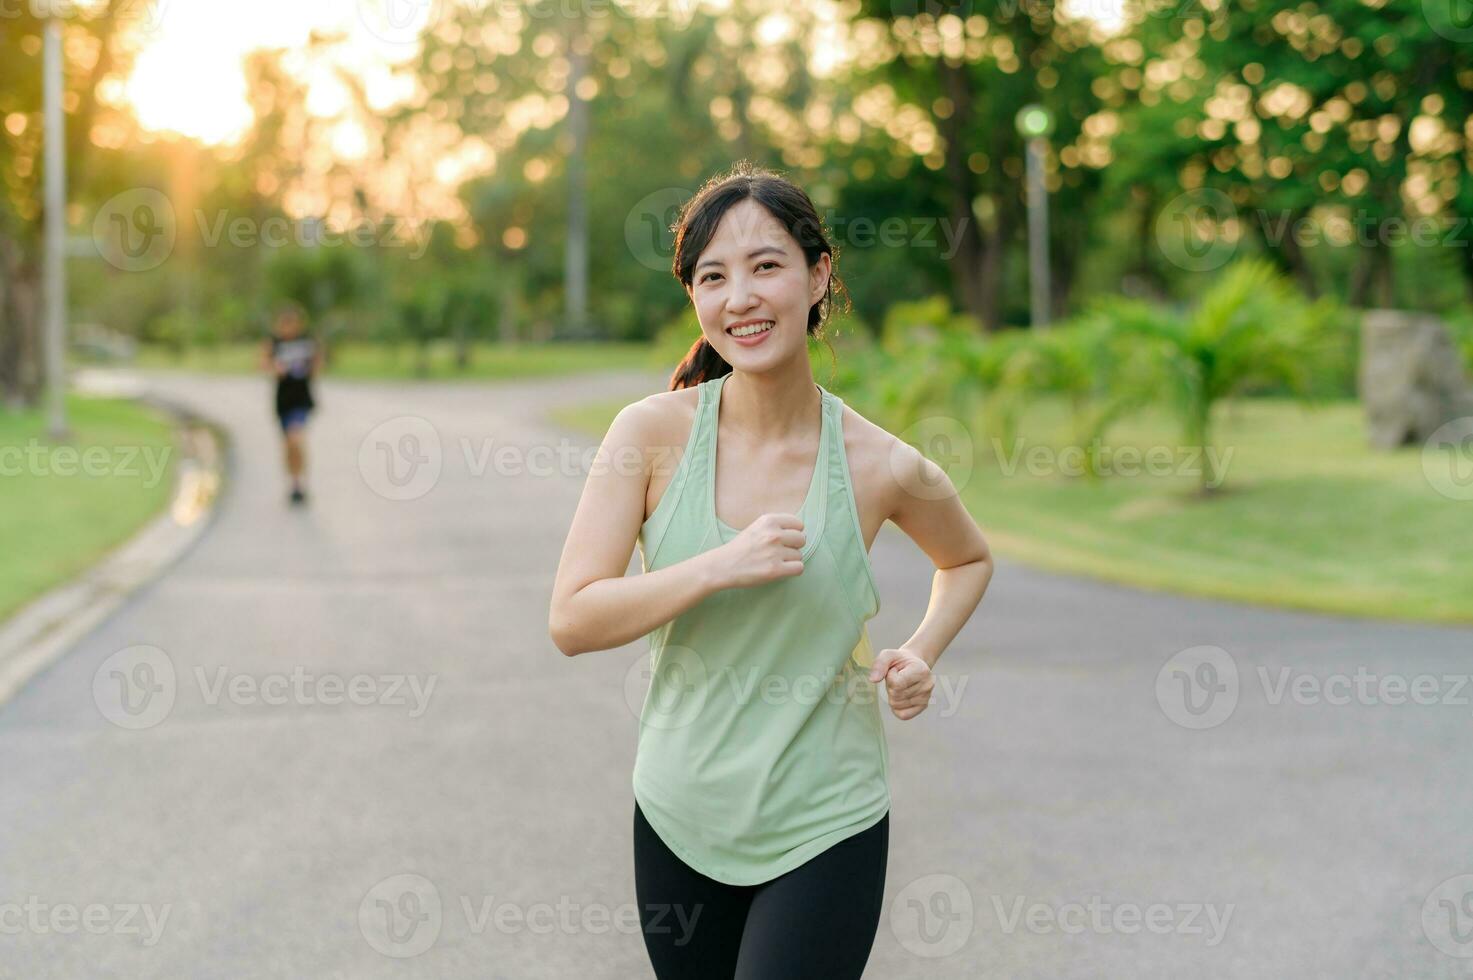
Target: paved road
[[1056, 813]]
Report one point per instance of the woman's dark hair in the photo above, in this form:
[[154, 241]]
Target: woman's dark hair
[[785, 201]]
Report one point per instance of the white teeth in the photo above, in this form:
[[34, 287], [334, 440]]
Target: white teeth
[[753, 328]]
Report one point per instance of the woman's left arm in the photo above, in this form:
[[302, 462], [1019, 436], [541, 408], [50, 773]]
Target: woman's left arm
[[926, 506]]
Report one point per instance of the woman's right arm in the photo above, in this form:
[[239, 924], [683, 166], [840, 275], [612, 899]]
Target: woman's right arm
[[595, 606]]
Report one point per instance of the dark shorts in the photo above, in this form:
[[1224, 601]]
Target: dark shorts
[[291, 417], [817, 920]]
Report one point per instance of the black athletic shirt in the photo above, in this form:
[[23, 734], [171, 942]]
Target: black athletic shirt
[[294, 388]]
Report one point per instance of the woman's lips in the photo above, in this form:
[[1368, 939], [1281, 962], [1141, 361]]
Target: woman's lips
[[754, 339]]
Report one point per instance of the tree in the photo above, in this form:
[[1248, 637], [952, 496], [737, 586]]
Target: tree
[[1286, 110], [90, 54], [968, 77]]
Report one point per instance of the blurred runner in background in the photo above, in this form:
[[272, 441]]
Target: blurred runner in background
[[294, 356]]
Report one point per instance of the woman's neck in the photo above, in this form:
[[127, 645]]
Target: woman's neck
[[772, 406]]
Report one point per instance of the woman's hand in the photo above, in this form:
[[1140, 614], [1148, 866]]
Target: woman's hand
[[908, 681], [765, 550]]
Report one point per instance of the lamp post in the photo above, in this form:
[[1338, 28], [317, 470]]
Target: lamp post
[[54, 269], [1035, 123]]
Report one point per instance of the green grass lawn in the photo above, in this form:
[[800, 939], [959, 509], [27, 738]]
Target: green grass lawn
[[59, 515], [376, 361], [1308, 516]]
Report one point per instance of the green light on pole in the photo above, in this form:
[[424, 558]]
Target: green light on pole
[[1035, 123], [1034, 120]]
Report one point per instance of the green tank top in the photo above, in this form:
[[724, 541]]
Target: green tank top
[[760, 739]]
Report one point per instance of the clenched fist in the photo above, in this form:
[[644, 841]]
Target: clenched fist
[[908, 681], [769, 548]]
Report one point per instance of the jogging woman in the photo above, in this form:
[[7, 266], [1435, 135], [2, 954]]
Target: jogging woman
[[761, 820], [295, 358]]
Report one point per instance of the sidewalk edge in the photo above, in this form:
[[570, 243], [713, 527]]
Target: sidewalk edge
[[44, 629]]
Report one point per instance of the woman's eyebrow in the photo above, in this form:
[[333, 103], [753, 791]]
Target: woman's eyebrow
[[751, 255]]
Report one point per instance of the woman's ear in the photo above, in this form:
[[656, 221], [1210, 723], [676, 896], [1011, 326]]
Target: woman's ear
[[818, 278]]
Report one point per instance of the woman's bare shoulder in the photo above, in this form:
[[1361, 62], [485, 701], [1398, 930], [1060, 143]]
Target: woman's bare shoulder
[[663, 419], [876, 459], [866, 442]]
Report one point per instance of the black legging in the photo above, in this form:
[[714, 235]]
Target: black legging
[[818, 919]]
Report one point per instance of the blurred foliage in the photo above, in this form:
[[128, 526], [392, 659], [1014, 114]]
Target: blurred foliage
[[1315, 139]]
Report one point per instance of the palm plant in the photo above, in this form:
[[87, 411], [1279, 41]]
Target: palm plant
[[1250, 328], [1088, 363]]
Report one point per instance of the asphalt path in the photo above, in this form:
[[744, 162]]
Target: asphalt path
[[336, 741]]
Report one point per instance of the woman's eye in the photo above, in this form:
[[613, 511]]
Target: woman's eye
[[707, 277]]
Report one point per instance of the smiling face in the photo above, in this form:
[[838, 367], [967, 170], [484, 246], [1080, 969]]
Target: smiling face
[[752, 275]]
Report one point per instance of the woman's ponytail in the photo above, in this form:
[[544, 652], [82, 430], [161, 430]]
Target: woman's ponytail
[[701, 363]]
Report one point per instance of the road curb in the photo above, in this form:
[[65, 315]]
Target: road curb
[[41, 631]]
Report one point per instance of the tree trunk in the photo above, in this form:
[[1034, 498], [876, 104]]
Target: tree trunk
[[506, 328], [1142, 267], [576, 256], [1466, 253], [20, 349], [1372, 272], [968, 276], [1289, 257], [462, 342]]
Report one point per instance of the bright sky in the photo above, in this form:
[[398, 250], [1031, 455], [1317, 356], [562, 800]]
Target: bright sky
[[188, 75]]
